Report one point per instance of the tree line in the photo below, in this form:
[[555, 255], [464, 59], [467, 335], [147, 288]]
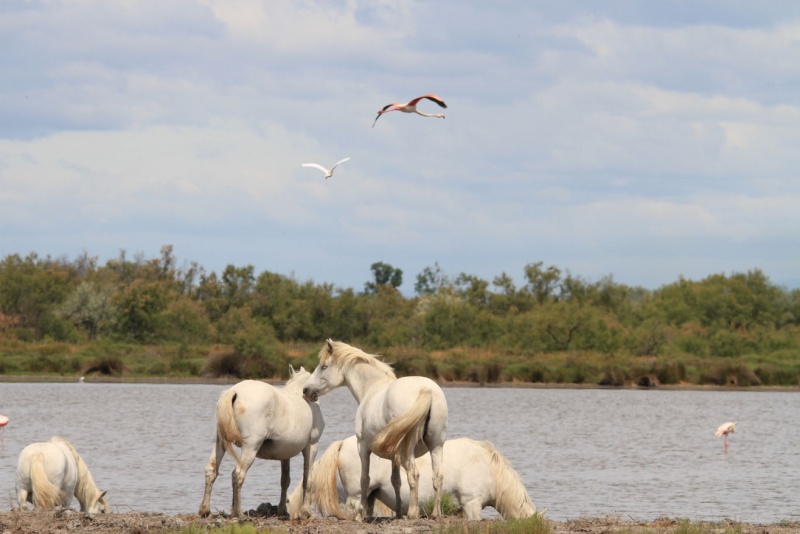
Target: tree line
[[155, 301]]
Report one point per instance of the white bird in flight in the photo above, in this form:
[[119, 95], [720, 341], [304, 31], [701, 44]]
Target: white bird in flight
[[725, 429], [328, 173]]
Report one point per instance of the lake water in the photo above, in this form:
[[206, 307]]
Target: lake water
[[642, 454]]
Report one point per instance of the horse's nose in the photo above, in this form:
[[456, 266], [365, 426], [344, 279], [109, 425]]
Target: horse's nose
[[305, 392]]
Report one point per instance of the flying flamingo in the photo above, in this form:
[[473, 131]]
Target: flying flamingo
[[328, 173], [725, 429], [411, 107], [3, 423]]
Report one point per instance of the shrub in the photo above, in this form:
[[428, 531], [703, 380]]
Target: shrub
[[449, 505]]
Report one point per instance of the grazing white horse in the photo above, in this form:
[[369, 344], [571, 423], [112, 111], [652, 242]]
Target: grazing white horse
[[397, 419], [50, 473], [475, 473], [268, 423]]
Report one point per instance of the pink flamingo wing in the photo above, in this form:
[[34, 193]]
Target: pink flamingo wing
[[431, 97]]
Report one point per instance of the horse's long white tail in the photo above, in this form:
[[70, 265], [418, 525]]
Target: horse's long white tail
[[323, 481], [227, 429], [46, 495], [511, 499], [404, 431]]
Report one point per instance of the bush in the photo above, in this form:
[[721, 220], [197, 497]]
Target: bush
[[729, 374]]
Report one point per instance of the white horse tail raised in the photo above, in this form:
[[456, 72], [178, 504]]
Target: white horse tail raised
[[46, 495], [510, 498], [323, 481], [227, 429], [404, 431]]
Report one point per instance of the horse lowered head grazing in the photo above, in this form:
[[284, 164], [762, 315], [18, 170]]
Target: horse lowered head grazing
[[397, 419], [475, 473], [50, 473], [268, 423]]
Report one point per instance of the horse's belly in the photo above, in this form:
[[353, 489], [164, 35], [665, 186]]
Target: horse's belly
[[279, 450]]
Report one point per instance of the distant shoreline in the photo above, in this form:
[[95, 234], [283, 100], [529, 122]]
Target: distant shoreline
[[444, 384]]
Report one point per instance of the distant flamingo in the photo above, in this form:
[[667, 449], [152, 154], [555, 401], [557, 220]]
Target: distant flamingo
[[328, 173], [725, 429], [411, 107], [3, 423]]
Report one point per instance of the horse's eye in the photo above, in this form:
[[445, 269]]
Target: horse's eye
[[324, 367]]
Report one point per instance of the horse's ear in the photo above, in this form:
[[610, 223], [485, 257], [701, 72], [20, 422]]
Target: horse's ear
[[291, 369], [303, 369], [102, 495], [330, 345]]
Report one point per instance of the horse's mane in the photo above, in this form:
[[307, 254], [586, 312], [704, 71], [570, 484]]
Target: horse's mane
[[86, 490], [346, 356], [511, 499]]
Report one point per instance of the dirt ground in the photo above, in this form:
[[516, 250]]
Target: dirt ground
[[63, 521]]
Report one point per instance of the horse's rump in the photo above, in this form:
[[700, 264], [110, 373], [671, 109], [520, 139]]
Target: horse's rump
[[403, 432], [46, 495]]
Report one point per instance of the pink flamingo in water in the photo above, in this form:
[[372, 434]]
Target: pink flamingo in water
[[725, 429], [3, 423], [411, 107]]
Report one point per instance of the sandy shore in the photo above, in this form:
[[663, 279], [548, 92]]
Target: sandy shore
[[137, 523]]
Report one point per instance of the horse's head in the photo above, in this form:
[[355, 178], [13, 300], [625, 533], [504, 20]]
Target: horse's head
[[327, 376], [99, 505]]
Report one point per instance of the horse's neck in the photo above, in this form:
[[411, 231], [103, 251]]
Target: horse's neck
[[364, 378], [295, 387], [86, 489]]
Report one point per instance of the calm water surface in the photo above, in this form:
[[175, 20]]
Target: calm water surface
[[643, 454]]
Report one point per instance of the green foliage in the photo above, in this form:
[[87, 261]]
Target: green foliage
[[385, 275], [554, 327], [449, 505], [89, 308]]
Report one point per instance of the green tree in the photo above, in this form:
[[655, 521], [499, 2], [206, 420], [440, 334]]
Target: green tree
[[89, 308], [384, 275], [139, 307]]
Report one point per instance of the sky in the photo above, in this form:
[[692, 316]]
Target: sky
[[645, 141]]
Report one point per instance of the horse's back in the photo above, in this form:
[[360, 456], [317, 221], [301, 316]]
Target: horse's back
[[403, 393], [282, 421]]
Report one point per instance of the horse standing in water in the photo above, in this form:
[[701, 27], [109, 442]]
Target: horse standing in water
[[475, 473], [50, 473], [397, 419], [268, 423]]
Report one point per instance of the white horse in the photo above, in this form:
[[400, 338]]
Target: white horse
[[50, 473], [475, 473], [268, 423], [397, 419]]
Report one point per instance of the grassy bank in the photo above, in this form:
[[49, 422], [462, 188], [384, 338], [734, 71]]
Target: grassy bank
[[458, 365]]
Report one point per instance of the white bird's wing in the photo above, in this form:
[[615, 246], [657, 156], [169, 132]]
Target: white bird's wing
[[316, 166], [338, 162]]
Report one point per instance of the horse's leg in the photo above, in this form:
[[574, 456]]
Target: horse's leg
[[212, 470], [247, 458], [410, 465], [472, 509], [438, 476], [398, 504], [363, 453], [309, 453], [285, 480], [22, 496]]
